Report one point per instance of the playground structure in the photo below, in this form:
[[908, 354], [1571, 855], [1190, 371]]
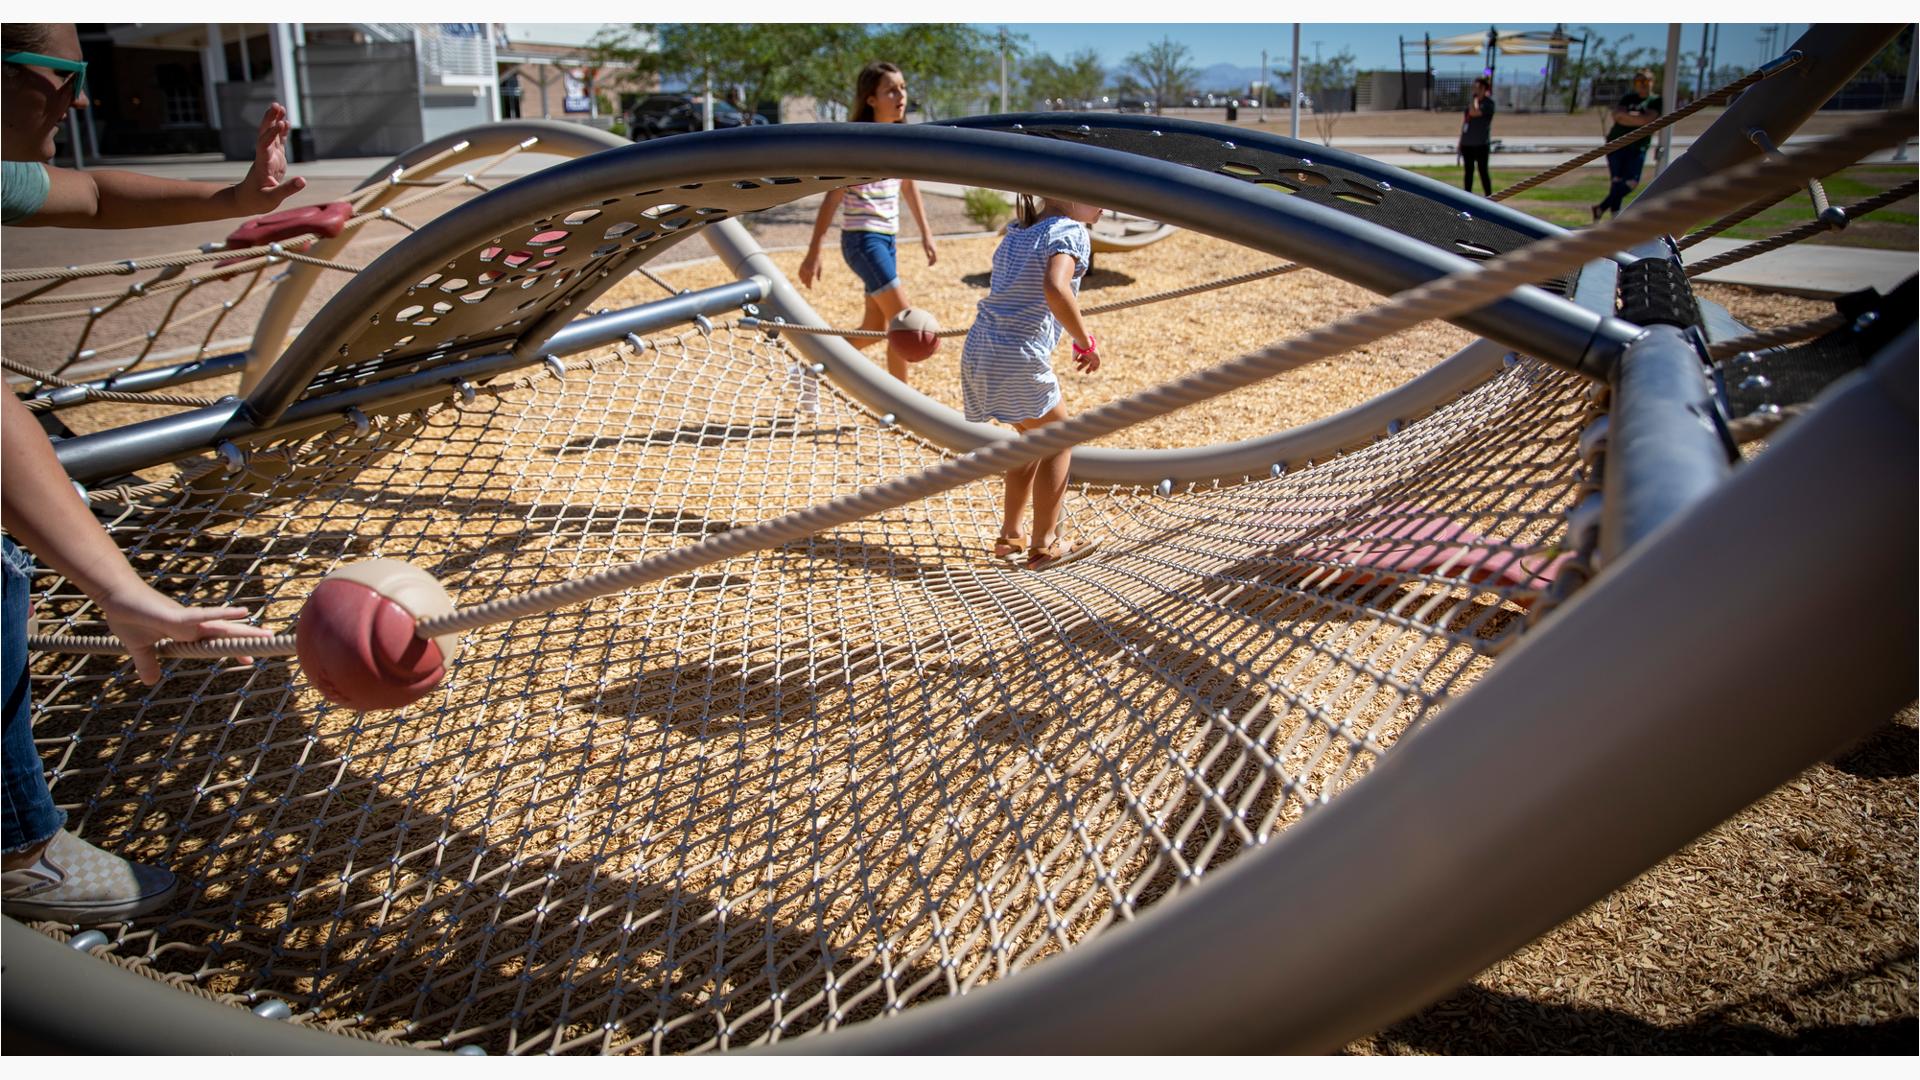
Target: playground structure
[[747, 742]]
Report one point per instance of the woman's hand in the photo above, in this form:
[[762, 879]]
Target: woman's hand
[[933, 253], [141, 617], [267, 184], [810, 268]]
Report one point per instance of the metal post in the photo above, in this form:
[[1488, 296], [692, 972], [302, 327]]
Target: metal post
[[1426, 92], [1906, 99], [1003, 69], [1700, 82], [213, 72], [706, 110], [1669, 91], [1263, 86], [286, 78], [1293, 86], [246, 56]]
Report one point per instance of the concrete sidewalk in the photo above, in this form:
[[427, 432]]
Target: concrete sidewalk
[[1816, 270]]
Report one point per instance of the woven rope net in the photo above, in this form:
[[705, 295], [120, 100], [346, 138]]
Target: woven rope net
[[804, 787]]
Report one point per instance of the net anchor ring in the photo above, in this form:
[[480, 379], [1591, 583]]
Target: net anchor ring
[[466, 391], [639, 344], [1593, 441], [234, 458], [557, 367], [705, 324], [362, 427]]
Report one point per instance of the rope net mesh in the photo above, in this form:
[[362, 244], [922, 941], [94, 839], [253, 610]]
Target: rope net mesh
[[802, 788]]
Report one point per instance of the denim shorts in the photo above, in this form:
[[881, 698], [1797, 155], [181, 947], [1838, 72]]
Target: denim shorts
[[871, 256]]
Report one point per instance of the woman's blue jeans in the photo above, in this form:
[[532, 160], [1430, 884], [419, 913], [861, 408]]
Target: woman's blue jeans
[[29, 814]]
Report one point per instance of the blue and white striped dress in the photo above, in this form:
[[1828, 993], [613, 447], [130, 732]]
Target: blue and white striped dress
[[1006, 367]]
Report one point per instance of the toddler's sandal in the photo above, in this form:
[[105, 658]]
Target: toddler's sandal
[[1061, 551], [1006, 547]]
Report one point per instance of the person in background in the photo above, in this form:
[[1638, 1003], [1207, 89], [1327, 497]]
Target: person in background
[[1638, 107], [873, 214], [1476, 133], [49, 873]]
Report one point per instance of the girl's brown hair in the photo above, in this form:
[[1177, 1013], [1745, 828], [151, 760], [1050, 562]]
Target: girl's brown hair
[[1029, 211], [868, 85]]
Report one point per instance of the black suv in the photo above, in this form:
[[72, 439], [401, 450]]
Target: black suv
[[676, 114]]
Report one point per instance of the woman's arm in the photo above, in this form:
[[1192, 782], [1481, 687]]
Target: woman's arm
[[1066, 307], [39, 508], [112, 199], [911, 192], [810, 266]]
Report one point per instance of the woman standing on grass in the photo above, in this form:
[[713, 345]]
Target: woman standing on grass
[[873, 214]]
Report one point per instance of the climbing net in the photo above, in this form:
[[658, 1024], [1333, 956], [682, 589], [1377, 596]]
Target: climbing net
[[797, 789]]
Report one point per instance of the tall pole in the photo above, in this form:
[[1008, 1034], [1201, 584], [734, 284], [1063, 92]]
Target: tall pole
[[1003, 69], [1426, 92], [1913, 71], [1263, 86], [1669, 88], [1293, 86], [706, 110], [1403, 72], [1700, 83]]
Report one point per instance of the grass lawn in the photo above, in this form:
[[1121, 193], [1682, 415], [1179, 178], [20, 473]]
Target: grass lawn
[[1565, 201]]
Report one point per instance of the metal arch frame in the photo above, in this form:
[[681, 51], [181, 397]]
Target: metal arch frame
[[483, 141], [1529, 320]]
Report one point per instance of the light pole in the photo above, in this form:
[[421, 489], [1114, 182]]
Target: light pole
[[1263, 86], [1293, 86], [1003, 69]]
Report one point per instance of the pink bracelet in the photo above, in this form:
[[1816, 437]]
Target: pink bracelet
[[1093, 346]]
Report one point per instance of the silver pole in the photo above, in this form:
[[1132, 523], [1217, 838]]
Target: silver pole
[[707, 109], [1669, 91], [1293, 86], [1003, 69], [1263, 86], [1906, 99]]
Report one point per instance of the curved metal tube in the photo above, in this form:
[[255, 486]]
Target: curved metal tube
[[867, 383], [1528, 320], [483, 141]]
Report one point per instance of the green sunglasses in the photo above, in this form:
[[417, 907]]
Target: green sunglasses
[[76, 69]]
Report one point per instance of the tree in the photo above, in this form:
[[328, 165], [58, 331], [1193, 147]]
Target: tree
[[1081, 78], [760, 60], [948, 65], [1163, 70], [1603, 57], [1329, 84]]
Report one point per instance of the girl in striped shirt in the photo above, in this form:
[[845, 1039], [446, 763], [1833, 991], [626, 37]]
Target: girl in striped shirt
[[873, 214], [1006, 367]]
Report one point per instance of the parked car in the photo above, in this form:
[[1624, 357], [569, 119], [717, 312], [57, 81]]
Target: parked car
[[1135, 105], [676, 114]]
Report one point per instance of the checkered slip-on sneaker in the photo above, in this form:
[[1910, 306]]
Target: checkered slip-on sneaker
[[75, 882]]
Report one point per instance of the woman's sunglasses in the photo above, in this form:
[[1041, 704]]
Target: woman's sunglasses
[[76, 70]]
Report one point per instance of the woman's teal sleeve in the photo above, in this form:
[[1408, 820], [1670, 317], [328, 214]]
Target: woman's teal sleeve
[[23, 190]]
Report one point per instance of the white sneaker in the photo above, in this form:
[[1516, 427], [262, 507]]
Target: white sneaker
[[75, 882]]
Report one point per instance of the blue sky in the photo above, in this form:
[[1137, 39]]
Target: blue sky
[[1372, 44]]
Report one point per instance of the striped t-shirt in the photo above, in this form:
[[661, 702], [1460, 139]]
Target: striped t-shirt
[[872, 207], [1006, 367]]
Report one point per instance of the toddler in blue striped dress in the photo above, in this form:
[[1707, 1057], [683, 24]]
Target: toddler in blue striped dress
[[1006, 367]]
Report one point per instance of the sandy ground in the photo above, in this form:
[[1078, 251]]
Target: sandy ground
[[1790, 928]]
